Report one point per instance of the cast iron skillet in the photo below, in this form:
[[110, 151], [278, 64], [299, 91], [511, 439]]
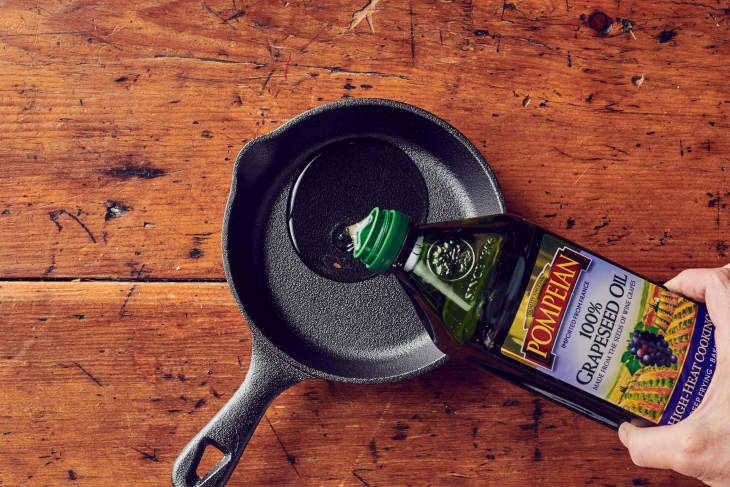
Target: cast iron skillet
[[305, 325]]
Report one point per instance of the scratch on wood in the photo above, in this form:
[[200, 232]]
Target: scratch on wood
[[50, 267], [122, 310], [413, 40], [8, 36], [362, 480], [290, 458], [203, 60], [374, 450], [695, 4], [286, 68], [604, 224], [137, 273], [375, 429], [530, 41], [218, 16], [337, 69], [581, 174], [507, 6], [613, 147], [88, 374], [131, 171], [325, 27], [54, 218], [236, 15], [151, 457], [364, 13], [266, 82], [575, 157]]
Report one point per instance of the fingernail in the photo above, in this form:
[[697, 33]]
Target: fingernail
[[670, 283], [623, 433]]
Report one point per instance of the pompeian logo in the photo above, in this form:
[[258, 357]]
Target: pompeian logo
[[549, 308]]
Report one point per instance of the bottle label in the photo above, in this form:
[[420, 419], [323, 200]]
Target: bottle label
[[613, 334]]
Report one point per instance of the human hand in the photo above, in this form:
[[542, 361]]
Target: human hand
[[698, 446]]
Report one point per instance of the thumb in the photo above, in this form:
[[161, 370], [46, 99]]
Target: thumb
[[694, 283], [711, 286], [652, 446]]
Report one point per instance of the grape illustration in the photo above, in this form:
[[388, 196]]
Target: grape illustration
[[651, 349]]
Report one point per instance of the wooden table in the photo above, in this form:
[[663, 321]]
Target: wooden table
[[119, 124]]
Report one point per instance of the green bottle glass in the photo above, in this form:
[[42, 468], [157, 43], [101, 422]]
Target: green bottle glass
[[544, 313]]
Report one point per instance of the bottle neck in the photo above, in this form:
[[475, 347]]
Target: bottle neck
[[411, 256], [378, 239], [409, 253]]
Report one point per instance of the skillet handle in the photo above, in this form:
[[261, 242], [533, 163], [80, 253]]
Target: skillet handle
[[229, 431]]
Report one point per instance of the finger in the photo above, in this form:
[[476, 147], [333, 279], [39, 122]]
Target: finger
[[711, 286], [692, 282], [653, 446]]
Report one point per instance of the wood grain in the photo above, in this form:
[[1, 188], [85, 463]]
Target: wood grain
[[147, 105], [110, 399], [119, 125]]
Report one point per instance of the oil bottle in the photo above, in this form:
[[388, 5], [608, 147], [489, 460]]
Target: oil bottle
[[546, 314]]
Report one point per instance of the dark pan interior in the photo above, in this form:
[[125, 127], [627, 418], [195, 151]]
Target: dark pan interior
[[365, 331]]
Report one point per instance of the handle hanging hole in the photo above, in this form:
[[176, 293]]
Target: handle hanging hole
[[212, 458]]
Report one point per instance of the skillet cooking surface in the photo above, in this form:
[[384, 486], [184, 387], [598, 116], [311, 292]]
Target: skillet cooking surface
[[362, 331]]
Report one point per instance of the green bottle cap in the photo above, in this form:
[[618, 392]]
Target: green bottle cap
[[378, 238]]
